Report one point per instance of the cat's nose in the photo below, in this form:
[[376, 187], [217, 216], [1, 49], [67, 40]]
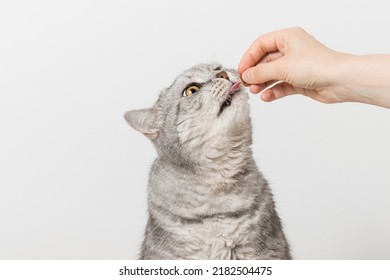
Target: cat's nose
[[223, 75]]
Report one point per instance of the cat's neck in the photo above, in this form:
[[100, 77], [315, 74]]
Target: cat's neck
[[220, 162], [224, 161]]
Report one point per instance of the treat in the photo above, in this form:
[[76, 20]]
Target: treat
[[243, 82]]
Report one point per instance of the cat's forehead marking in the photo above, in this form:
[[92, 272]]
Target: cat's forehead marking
[[190, 78], [199, 74]]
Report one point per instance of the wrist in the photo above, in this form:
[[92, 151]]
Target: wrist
[[361, 78]]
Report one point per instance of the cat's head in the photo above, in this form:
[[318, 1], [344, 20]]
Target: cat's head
[[203, 113]]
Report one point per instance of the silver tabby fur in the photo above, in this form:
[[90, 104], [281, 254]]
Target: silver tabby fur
[[206, 197]]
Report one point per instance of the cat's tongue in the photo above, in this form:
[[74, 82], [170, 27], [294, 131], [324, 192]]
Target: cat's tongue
[[235, 87]]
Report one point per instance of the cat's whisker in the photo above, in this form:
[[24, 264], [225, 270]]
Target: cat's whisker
[[204, 181]]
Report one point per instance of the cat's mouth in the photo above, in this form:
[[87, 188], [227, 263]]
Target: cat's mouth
[[229, 98]]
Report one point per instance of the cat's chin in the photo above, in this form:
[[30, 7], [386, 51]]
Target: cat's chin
[[236, 116], [238, 106]]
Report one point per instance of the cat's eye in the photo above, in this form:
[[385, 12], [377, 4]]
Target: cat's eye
[[190, 90]]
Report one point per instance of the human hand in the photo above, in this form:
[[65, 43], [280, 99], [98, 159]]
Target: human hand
[[291, 55]]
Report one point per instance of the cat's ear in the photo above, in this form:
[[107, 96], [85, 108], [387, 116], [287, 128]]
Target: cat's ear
[[144, 121]]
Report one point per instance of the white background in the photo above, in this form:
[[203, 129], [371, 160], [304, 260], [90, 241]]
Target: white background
[[73, 174], [111, 269]]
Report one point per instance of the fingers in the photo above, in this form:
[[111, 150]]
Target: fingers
[[269, 57], [257, 88], [264, 72], [278, 92], [268, 43], [275, 56], [268, 96]]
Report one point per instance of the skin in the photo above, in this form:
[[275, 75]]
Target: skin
[[310, 68]]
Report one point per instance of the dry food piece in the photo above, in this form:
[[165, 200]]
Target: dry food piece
[[243, 82]]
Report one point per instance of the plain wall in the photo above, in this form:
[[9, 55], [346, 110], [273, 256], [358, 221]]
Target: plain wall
[[73, 174]]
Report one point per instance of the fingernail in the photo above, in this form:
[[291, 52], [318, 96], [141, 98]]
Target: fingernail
[[245, 76], [243, 80]]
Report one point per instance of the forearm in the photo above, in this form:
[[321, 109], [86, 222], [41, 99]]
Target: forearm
[[363, 79]]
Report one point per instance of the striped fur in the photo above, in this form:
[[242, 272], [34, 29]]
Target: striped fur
[[206, 197]]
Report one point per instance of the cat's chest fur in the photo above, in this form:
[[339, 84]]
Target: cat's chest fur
[[206, 197], [214, 238], [205, 221]]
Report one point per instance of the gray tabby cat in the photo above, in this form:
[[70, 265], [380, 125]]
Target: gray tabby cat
[[206, 197]]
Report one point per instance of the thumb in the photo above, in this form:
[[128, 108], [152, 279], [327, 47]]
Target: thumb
[[264, 72]]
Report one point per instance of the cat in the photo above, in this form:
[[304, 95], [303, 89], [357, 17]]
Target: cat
[[206, 197]]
